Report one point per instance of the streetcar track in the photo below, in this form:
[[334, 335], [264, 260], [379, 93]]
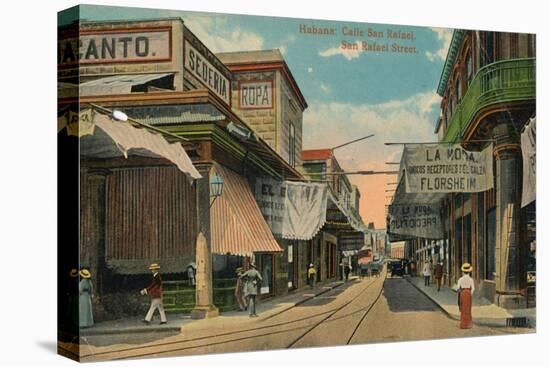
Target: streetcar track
[[339, 308], [367, 312], [330, 312]]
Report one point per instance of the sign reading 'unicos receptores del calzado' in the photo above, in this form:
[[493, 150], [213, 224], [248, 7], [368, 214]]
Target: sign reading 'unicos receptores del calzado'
[[116, 46], [431, 168]]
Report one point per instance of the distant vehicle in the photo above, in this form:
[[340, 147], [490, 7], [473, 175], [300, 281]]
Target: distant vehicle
[[395, 267]]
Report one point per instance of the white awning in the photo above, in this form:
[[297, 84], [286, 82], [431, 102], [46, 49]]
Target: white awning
[[107, 138]]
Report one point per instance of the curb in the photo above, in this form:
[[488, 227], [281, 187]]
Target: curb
[[482, 321], [153, 329]]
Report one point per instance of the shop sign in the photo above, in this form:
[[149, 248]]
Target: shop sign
[[203, 70], [439, 168], [416, 220], [256, 95], [270, 196], [116, 46]]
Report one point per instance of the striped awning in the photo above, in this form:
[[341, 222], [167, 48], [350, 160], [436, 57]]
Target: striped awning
[[237, 224]]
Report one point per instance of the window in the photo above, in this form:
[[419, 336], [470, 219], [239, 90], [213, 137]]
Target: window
[[514, 46], [469, 68], [292, 145], [487, 47], [531, 45], [458, 89]]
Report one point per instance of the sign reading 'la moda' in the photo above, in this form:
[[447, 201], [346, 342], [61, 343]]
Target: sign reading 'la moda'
[[431, 168], [115, 46], [258, 94], [418, 220], [202, 69]]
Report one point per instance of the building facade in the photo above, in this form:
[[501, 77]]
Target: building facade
[[488, 89]]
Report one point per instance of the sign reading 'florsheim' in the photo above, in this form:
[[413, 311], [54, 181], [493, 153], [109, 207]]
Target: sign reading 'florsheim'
[[431, 168]]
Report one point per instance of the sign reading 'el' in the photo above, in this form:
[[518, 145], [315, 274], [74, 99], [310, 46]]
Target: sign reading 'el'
[[203, 70], [115, 46], [256, 95]]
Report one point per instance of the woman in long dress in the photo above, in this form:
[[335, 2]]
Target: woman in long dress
[[465, 291], [85, 291]]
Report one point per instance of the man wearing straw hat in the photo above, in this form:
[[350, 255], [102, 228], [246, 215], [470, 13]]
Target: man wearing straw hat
[[155, 292], [465, 290]]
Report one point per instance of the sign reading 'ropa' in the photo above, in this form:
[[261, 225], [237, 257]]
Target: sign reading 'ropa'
[[432, 168], [256, 95], [203, 70], [115, 46]]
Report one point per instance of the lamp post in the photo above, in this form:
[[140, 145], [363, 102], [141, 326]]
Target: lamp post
[[216, 187]]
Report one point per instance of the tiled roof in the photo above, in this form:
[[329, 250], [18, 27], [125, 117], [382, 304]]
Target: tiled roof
[[316, 154]]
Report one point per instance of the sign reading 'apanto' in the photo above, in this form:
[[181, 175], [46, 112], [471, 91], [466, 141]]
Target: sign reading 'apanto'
[[416, 220], [202, 69], [431, 168], [115, 46], [256, 95]]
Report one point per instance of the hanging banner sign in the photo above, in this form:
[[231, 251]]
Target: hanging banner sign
[[431, 168], [270, 196], [417, 220], [529, 153], [210, 76]]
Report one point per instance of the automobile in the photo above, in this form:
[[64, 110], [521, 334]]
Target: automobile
[[395, 268]]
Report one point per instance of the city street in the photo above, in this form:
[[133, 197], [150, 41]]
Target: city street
[[376, 309]]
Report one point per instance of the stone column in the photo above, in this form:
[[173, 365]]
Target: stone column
[[508, 204], [204, 292]]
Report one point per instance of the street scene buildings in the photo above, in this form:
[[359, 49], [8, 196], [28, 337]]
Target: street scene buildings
[[200, 182]]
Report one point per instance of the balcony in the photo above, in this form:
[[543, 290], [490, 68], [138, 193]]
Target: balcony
[[500, 82]]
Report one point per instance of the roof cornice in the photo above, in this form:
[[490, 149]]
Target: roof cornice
[[454, 47]]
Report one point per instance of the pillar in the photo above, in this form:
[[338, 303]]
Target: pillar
[[204, 291], [507, 153], [92, 232]]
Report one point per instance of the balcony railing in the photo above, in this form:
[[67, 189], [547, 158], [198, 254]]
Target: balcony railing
[[500, 82]]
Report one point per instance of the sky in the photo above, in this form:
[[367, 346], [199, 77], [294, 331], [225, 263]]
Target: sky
[[350, 93]]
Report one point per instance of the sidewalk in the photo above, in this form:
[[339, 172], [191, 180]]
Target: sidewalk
[[483, 312], [266, 309]]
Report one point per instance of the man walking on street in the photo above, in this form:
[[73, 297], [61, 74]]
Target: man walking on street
[[438, 274], [154, 290], [427, 272], [253, 280]]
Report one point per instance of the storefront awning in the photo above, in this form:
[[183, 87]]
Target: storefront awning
[[305, 210], [117, 84], [237, 224], [103, 137]]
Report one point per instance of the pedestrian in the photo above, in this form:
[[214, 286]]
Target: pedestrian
[[253, 279], [191, 274], [413, 268], [73, 319], [347, 269], [239, 290], [427, 272], [154, 290], [85, 295], [465, 291], [438, 274], [311, 275]]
